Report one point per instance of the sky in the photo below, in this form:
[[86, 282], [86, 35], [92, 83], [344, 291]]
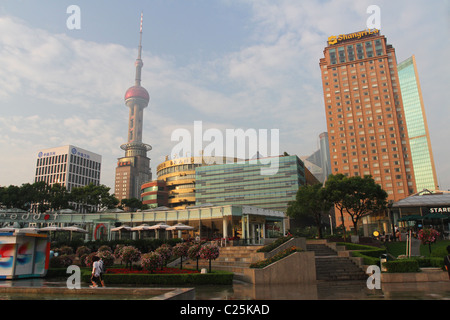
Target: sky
[[250, 64]]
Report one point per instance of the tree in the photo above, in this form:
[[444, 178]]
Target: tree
[[209, 252], [92, 197], [58, 197], [357, 196], [310, 201], [132, 203], [181, 250], [428, 236]]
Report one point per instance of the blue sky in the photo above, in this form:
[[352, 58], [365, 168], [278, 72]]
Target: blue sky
[[229, 63]]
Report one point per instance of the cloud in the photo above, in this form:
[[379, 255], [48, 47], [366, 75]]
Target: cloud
[[70, 91]]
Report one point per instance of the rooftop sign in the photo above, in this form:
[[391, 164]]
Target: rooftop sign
[[356, 35]]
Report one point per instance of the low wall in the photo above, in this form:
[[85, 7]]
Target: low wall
[[299, 267], [299, 243], [427, 275]]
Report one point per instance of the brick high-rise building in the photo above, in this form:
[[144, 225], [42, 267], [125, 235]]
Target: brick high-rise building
[[365, 117]]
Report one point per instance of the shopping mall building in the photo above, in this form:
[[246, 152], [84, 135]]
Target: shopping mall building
[[248, 224]]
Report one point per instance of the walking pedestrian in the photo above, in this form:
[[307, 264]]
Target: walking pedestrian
[[95, 277], [447, 262], [101, 267]]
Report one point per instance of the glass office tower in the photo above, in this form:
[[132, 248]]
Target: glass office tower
[[242, 184], [416, 124]]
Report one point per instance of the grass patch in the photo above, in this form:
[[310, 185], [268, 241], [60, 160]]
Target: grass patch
[[438, 249]]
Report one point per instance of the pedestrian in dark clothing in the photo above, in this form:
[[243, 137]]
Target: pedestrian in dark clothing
[[447, 262]]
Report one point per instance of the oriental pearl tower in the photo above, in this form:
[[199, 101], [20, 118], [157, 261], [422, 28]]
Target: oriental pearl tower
[[134, 169]]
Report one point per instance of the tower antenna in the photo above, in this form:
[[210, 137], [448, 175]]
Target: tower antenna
[[140, 36]]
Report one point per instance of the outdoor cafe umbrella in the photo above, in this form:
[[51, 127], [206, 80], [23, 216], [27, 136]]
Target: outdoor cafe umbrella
[[27, 230], [73, 229], [159, 226], [179, 227], [142, 227], [7, 229], [51, 229], [120, 229], [436, 215]]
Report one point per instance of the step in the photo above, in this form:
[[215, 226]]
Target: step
[[321, 250], [338, 269]]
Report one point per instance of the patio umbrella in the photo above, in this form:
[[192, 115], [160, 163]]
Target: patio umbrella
[[30, 230], [142, 227], [436, 216], [159, 226], [112, 210], [120, 229], [411, 218], [180, 227], [15, 210], [73, 229], [66, 211], [51, 229]]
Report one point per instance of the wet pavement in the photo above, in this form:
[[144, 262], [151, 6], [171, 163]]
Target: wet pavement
[[327, 290]]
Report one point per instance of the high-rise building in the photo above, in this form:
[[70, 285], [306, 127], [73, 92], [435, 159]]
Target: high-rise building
[[318, 163], [241, 183], [133, 169], [69, 166], [365, 116], [176, 181], [416, 123]]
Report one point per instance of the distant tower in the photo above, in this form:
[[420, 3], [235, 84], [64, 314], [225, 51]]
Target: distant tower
[[134, 169]]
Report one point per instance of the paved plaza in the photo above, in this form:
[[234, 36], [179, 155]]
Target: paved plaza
[[322, 290]]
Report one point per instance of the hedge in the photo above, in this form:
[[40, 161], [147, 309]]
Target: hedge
[[371, 255], [271, 246], [275, 258], [215, 277], [432, 262], [403, 265]]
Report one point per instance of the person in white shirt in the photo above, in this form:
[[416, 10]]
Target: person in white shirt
[[95, 278]]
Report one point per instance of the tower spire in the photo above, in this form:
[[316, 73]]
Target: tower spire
[[139, 62]]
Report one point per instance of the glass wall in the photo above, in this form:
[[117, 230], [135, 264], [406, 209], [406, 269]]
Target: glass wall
[[243, 184], [419, 140]]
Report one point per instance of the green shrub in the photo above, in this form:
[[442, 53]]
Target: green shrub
[[271, 246], [61, 261], [431, 262], [278, 256], [402, 265], [370, 254]]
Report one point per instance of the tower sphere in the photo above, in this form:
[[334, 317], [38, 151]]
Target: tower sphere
[[137, 92]]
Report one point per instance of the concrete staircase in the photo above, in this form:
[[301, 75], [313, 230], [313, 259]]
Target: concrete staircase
[[233, 259], [331, 267]]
